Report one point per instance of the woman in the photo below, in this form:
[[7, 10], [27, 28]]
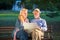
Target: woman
[[19, 29]]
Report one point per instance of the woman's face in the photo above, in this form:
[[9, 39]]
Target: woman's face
[[24, 13], [36, 14]]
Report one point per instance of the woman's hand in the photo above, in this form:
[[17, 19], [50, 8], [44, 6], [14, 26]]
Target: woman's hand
[[21, 18]]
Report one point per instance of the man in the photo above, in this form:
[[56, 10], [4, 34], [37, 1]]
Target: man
[[42, 26]]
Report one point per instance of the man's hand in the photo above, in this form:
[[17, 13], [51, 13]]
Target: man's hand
[[38, 28]]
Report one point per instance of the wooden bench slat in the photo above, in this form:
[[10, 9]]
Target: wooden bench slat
[[6, 29], [6, 32]]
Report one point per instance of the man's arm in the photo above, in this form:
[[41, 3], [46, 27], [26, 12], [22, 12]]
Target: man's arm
[[44, 26]]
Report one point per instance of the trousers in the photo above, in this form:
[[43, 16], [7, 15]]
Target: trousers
[[22, 35]]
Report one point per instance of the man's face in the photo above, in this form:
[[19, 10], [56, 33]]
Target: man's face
[[36, 14]]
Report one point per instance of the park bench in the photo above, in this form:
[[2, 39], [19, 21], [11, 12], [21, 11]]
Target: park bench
[[5, 33], [48, 34]]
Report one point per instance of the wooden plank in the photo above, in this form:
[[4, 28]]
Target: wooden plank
[[6, 29]]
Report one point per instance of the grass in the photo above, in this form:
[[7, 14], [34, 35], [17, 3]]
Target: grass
[[11, 16], [31, 15]]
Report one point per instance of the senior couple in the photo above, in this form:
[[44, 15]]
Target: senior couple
[[19, 31]]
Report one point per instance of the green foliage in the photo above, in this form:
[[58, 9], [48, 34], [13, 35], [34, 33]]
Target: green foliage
[[52, 5], [53, 14], [6, 4]]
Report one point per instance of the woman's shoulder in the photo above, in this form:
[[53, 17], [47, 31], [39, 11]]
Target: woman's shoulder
[[17, 20]]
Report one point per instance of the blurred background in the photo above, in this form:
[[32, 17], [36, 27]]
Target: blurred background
[[50, 11]]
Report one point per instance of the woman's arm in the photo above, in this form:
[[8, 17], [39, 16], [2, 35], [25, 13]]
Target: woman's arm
[[16, 29], [14, 38]]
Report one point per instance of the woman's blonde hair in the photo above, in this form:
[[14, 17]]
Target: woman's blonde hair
[[21, 17], [22, 10]]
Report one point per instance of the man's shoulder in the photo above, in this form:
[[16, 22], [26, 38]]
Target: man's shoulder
[[38, 19], [43, 20]]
